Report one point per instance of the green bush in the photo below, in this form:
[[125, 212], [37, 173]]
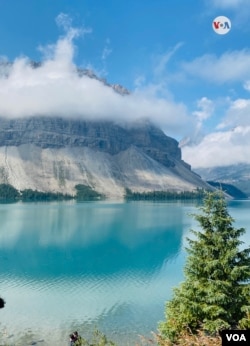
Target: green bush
[[8, 192], [84, 192], [97, 339]]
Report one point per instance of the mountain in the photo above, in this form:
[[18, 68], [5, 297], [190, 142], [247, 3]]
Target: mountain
[[231, 190], [237, 175], [89, 73], [6, 66], [55, 154]]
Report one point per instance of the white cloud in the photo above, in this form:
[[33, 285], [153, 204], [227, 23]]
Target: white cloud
[[205, 109], [238, 114], [64, 20], [139, 81], [229, 145], [162, 60], [56, 89], [238, 11], [231, 66], [247, 85], [106, 50], [220, 149], [228, 4]]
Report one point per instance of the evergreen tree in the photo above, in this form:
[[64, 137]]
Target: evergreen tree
[[216, 292], [8, 192]]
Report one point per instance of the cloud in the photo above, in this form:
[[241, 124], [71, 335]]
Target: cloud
[[229, 67], [56, 89], [162, 60], [106, 50], [64, 20], [205, 109], [229, 145], [247, 85], [237, 114], [228, 4], [220, 149], [236, 10], [139, 81]]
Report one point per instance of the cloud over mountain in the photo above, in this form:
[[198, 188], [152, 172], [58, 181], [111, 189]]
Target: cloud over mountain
[[55, 88]]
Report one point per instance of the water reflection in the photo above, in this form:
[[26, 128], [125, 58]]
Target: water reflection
[[65, 265], [95, 238]]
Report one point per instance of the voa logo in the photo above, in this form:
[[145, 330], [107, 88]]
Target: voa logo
[[236, 337], [221, 25]]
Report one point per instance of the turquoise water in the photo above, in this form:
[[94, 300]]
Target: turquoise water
[[111, 265]]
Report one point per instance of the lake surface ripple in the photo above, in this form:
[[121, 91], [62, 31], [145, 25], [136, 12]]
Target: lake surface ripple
[[76, 266]]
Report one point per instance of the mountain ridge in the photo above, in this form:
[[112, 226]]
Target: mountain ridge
[[237, 175]]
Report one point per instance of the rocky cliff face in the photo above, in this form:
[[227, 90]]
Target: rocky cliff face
[[106, 137], [55, 154]]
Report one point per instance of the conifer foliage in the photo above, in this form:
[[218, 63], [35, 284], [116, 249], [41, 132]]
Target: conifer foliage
[[216, 292]]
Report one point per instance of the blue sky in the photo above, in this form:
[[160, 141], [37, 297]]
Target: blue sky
[[191, 81]]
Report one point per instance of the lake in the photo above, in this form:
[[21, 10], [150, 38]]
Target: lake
[[77, 266]]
